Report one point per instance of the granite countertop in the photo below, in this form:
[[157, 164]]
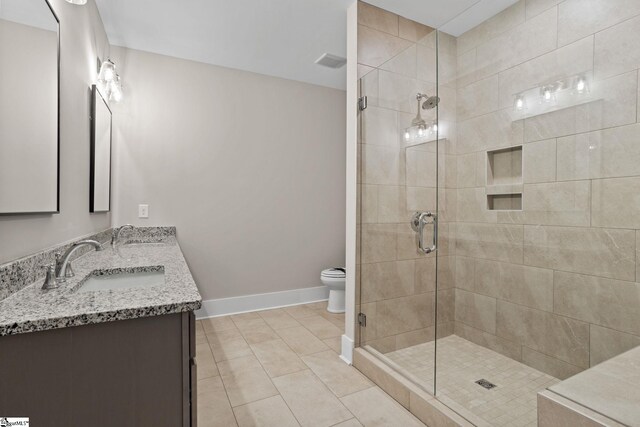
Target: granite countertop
[[33, 309]]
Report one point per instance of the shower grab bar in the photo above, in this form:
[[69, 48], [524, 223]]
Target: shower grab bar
[[418, 221]]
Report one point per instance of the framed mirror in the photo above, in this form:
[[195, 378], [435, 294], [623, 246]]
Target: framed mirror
[[100, 182], [29, 108]]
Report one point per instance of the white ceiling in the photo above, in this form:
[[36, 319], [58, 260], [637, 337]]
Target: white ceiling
[[279, 38]]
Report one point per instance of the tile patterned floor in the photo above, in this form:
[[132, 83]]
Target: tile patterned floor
[[281, 368], [461, 363]]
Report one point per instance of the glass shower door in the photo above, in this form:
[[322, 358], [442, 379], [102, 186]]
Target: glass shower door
[[398, 216]]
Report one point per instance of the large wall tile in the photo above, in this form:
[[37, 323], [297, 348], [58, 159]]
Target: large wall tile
[[601, 252], [568, 342], [535, 37], [490, 241], [549, 365], [613, 54], [576, 58], [412, 30], [403, 63], [606, 343], [382, 165], [536, 7], [380, 127], [472, 206], [392, 204], [465, 273], [539, 161], [478, 98], [580, 18], [376, 47], [492, 27], [605, 302], [472, 170], [615, 203], [494, 130], [466, 68], [476, 310], [554, 203], [397, 92], [385, 280], [608, 153], [378, 243], [405, 314], [421, 167], [377, 18], [614, 105], [508, 348], [519, 284]]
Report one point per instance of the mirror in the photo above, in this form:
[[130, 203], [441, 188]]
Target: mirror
[[100, 183], [29, 107]]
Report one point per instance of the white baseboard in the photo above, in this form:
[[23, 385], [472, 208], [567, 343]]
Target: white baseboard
[[347, 350], [243, 304]]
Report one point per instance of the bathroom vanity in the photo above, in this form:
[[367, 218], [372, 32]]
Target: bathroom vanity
[[113, 345]]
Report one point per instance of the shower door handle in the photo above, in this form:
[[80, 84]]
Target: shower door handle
[[418, 221]]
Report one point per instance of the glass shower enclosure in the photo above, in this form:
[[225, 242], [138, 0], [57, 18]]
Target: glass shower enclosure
[[497, 201]]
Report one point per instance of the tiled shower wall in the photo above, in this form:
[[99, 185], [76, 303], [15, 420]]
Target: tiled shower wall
[[396, 60], [553, 285]]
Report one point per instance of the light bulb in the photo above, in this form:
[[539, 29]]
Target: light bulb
[[581, 85], [420, 131], [546, 94], [435, 127], [520, 103], [407, 135], [107, 71]]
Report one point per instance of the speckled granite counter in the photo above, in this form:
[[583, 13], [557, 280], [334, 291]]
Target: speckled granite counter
[[33, 309]]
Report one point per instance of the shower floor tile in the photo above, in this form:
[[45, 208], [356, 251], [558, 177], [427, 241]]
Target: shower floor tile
[[461, 363]]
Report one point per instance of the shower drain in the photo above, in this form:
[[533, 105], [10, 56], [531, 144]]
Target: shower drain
[[486, 384]]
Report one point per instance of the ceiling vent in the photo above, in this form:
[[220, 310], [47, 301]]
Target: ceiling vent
[[331, 61]]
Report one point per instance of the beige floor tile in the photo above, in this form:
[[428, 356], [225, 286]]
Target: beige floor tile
[[214, 409], [349, 423], [242, 317], [335, 318], [299, 311], [228, 344], [268, 412], [278, 318], [341, 378], [216, 324], [301, 340], [317, 306], [245, 380], [311, 402], [320, 327], [255, 329], [375, 408], [334, 343], [277, 358], [206, 365]]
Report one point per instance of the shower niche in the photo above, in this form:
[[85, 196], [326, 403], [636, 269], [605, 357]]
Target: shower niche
[[504, 179]]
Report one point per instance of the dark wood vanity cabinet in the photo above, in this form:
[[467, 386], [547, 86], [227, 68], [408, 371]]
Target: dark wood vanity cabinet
[[139, 372]]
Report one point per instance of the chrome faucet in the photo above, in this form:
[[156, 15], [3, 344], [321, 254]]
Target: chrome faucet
[[63, 262], [115, 235]]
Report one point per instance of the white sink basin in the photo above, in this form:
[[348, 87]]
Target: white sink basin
[[123, 280]]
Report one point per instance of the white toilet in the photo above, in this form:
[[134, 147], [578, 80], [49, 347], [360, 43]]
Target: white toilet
[[334, 278]]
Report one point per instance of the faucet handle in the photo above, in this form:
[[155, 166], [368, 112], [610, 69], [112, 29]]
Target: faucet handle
[[50, 281]]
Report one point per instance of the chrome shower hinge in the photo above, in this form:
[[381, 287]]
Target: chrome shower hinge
[[362, 319], [362, 103]]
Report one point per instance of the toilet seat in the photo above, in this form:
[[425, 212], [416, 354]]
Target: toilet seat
[[333, 273]]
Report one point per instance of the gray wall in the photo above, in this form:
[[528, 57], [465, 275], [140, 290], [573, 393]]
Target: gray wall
[[250, 168], [82, 40]]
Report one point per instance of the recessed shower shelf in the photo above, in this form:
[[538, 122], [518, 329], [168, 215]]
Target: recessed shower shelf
[[496, 190], [504, 179]]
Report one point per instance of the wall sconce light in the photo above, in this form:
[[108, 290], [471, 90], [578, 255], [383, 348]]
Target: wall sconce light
[[521, 103], [581, 86], [109, 81], [547, 93]]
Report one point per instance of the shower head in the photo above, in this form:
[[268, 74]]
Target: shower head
[[430, 103]]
